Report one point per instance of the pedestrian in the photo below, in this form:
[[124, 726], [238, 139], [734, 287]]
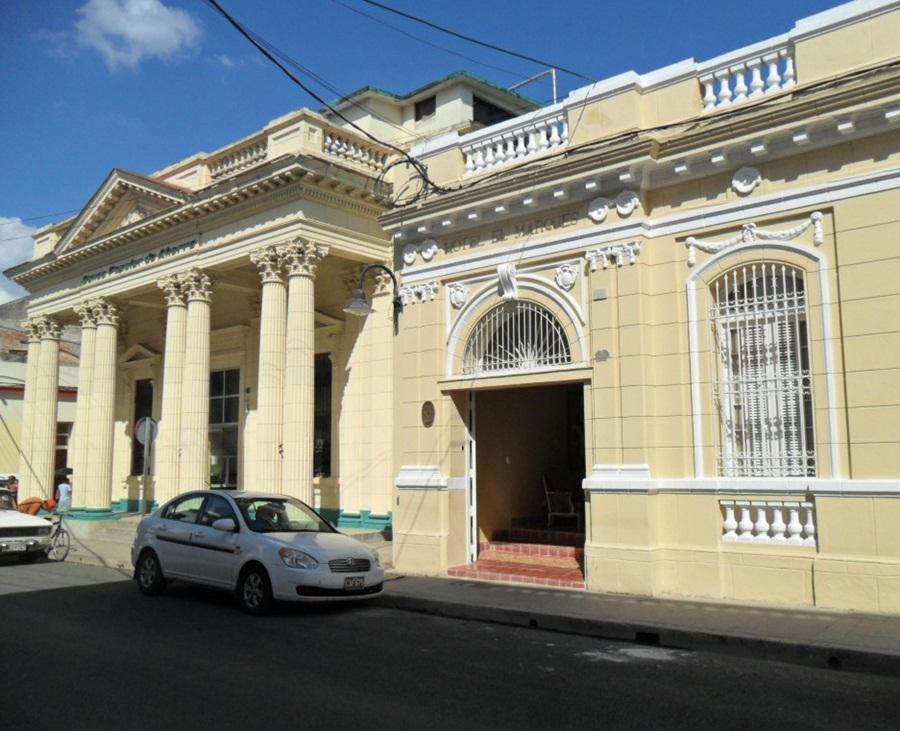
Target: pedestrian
[[13, 486], [64, 494]]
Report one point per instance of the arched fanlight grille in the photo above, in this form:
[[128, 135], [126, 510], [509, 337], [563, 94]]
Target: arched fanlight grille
[[763, 390], [516, 336]]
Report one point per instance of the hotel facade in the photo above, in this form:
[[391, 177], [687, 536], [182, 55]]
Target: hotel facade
[[660, 316]]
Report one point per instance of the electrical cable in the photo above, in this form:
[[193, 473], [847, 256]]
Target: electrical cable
[[470, 39], [428, 185], [36, 218], [371, 17]]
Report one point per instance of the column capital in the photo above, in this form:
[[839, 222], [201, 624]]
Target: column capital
[[43, 327], [269, 262], [302, 257], [31, 326], [85, 312], [105, 312], [173, 290], [197, 285]]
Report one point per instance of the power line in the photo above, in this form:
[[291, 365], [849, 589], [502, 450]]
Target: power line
[[470, 39], [37, 218], [264, 48], [514, 74]]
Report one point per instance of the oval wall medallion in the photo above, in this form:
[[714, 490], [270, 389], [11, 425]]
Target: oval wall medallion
[[409, 254], [598, 210], [626, 202], [428, 249], [459, 293], [746, 180], [566, 276], [427, 414]]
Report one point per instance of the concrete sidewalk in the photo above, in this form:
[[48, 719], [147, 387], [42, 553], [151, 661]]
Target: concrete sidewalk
[[807, 636]]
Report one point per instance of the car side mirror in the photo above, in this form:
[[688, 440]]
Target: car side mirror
[[227, 525]]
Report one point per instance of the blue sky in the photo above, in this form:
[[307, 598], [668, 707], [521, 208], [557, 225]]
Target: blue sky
[[89, 85]]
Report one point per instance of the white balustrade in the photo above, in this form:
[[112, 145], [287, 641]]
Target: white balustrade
[[745, 521], [351, 149], [239, 159], [764, 68], [507, 142]]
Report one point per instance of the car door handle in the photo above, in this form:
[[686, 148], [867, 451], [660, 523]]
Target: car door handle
[[162, 529]]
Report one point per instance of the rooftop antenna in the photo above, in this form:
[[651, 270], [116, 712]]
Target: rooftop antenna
[[551, 72]]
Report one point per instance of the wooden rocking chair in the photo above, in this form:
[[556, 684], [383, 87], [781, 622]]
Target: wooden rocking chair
[[559, 504]]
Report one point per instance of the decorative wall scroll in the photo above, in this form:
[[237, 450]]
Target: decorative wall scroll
[[617, 253], [459, 295], [413, 293], [566, 276], [426, 249], [750, 233], [506, 282], [626, 203], [745, 180]]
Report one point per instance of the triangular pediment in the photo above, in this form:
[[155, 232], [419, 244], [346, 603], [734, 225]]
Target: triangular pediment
[[138, 354], [124, 199]]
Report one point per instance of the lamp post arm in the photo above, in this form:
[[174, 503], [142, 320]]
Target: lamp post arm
[[398, 303]]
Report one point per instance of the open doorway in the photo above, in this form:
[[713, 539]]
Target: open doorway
[[530, 441]]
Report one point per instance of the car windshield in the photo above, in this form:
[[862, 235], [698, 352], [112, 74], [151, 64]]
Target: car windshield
[[6, 501], [280, 515]]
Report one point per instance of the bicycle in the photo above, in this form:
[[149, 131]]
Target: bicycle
[[60, 541]]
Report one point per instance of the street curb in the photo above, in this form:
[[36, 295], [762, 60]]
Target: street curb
[[821, 656]]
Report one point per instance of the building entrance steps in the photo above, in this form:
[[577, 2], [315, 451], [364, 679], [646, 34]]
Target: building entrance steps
[[807, 636], [542, 564]]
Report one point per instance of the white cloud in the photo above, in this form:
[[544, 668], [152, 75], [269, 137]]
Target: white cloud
[[227, 61], [17, 247], [126, 32]]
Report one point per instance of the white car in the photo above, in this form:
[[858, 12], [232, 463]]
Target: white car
[[26, 536], [263, 547]]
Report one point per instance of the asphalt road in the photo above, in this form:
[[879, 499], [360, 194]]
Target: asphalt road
[[80, 648]]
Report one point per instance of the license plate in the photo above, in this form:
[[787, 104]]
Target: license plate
[[354, 582], [18, 547]]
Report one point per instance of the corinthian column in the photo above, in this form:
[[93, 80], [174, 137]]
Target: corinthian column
[[302, 259], [46, 396], [79, 441], [270, 388], [193, 471], [26, 441], [97, 489], [168, 441]]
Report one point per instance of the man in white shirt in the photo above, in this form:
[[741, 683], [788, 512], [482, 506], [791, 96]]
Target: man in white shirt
[[64, 495]]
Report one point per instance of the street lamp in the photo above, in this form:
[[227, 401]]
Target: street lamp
[[360, 306]]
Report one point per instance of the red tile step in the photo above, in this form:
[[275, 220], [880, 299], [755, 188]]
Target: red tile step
[[531, 549], [520, 573]]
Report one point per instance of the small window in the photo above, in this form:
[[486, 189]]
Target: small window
[[185, 510], [425, 108], [487, 114], [216, 507]]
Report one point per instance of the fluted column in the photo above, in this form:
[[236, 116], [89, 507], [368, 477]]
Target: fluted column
[[193, 471], [97, 488], [270, 389], [166, 471], [26, 441], [46, 397], [301, 259], [79, 441]]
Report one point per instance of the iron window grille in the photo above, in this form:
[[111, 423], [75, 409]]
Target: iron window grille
[[763, 393], [516, 336]]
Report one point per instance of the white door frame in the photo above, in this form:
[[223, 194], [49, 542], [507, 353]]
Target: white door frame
[[471, 483]]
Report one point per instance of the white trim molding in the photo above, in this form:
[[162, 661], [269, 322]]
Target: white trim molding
[[420, 477], [799, 486], [750, 233]]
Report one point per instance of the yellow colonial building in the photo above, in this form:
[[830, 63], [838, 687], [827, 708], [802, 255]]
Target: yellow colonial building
[[653, 325]]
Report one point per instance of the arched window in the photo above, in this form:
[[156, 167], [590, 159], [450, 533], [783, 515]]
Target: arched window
[[516, 336], [763, 389]]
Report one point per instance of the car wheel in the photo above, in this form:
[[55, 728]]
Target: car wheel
[[254, 591], [149, 574]]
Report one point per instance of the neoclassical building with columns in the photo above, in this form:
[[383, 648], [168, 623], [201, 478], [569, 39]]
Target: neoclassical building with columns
[[652, 325]]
